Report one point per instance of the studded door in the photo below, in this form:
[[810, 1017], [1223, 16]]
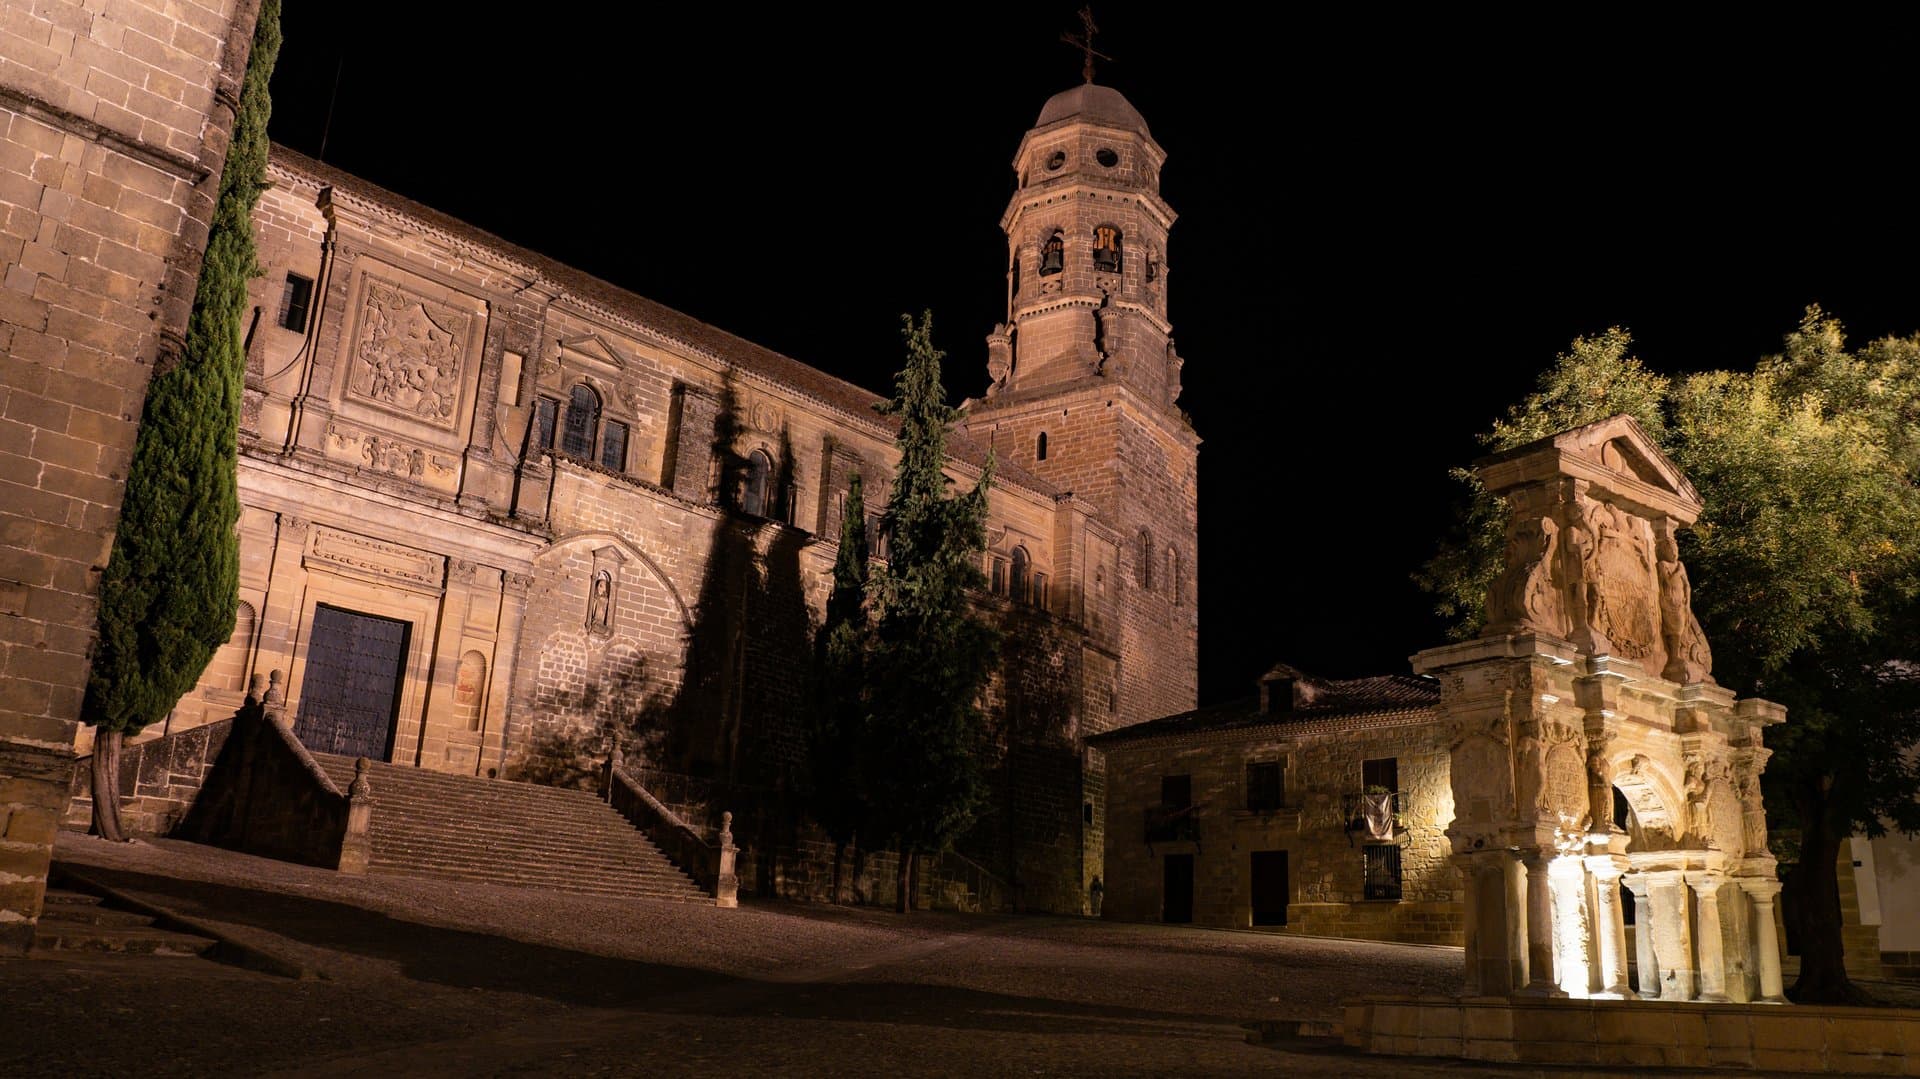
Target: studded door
[[350, 693]]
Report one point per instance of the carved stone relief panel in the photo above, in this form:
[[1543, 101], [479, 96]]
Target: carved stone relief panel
[[366, 558], [409, 352]]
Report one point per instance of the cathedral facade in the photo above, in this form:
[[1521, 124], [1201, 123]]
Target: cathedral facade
[[499, 515]]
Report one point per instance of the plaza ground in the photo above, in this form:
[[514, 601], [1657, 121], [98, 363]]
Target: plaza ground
[[415, 977]]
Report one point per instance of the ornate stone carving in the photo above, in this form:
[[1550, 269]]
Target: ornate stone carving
[[1688, 657], [364, 556], [393, 457], [409, 354], [1566, 788], [1525, 596], [1623, 563]]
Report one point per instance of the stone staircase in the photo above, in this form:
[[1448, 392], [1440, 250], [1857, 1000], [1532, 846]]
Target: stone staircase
[[430, 824], [75, 921]]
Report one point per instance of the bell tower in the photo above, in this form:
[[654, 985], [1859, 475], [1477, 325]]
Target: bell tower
[[1084, 385], [1087, 253]]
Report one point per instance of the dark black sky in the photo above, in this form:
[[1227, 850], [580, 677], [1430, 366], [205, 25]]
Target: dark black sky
[[1389, 224]]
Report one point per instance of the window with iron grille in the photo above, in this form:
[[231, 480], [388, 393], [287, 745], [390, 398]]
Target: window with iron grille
[[1382, 874], [1266, 786]]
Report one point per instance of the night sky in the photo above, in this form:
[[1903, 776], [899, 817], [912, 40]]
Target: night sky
[[1388, 225]]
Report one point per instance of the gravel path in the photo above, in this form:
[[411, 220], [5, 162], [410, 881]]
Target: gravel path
[[420, 977]]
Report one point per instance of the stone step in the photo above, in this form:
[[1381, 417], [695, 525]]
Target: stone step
[[602, 886], [441, 826], [580, 841], [93, 914], [66, 897], [59, 936]]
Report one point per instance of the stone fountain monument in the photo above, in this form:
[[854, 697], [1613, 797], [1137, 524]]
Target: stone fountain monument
[[1591, 688]]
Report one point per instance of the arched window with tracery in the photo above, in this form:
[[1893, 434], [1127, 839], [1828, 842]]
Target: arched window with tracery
[[583, 418], [1053, 254], [1106, 249], [1022, 571], [757, 499], [1143, 560]]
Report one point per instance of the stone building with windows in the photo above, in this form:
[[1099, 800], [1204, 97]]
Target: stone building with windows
[[1318, 806], [497, 512]]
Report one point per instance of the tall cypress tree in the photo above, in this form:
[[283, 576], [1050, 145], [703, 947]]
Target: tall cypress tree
[[931, 653], [168, 596], [839, 741]]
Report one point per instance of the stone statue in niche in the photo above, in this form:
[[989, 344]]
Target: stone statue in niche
[[600, 604], [1688, 657], [1525, 595], [408, 358]]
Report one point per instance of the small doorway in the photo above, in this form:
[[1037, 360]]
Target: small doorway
[[1176, 891], [350, 691], [1269, 887]]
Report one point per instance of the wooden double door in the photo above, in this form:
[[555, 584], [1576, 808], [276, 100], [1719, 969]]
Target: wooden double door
[[350, 692]]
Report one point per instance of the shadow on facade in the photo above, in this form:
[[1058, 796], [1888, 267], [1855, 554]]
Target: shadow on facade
[[1028, 831], [731, 738]]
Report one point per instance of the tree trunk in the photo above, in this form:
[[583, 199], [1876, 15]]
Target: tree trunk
[[1812, 901], [106, 786], [839, 854], [859, 871], [903, 883]]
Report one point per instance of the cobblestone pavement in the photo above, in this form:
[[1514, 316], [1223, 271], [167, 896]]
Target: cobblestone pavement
[[419, 977]]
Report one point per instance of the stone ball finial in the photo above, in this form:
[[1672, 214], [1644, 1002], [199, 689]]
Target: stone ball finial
[[360, 787], [275, 695], [256, 685]]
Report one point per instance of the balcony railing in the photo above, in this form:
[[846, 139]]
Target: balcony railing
[[1168, 824]]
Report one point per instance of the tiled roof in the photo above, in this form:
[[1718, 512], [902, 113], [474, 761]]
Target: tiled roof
[[737, 351], [1353, 698]]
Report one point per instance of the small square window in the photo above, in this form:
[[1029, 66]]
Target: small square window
[[1266, 786], [295, 302]]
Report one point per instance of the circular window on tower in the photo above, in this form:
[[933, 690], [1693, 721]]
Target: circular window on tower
[[1055, 160], [1106, 157]]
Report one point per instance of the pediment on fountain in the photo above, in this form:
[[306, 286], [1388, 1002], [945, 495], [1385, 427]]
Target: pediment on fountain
[[1615, 456]]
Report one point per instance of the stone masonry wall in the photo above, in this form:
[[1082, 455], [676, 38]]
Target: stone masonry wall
[[1325, 868], [114, 121]]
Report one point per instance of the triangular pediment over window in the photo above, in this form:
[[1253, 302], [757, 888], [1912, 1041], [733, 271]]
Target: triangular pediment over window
[[594, 348]]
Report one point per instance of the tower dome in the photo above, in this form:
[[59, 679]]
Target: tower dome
[[1094, 104]]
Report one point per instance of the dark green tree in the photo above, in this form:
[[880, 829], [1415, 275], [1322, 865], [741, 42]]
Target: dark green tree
[[930, 654], [168, 596], [1806, 567], [839, 740]]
